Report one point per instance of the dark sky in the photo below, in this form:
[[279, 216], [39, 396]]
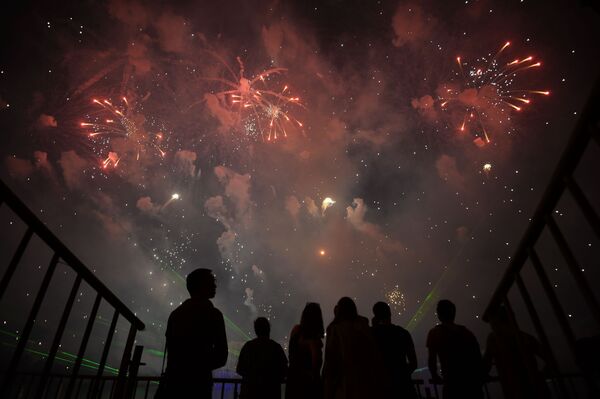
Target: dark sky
[[368, 106]]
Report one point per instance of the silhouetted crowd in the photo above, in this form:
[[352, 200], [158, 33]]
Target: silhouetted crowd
[[359, 361]]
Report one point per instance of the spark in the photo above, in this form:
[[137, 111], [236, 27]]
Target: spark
[[487, 167], [322, 252]]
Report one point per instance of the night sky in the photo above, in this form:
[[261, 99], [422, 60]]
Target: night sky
[[156, 138]]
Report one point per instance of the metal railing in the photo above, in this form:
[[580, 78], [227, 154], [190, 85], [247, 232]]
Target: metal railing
[[83, 274], [563, 180], [223, 388]]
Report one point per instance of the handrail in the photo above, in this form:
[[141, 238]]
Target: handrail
[[40, 229]]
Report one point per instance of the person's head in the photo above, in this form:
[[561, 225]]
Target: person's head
[[311, 321], [345, 309], [201, 283], [262, 328], [382, 313], [446, 311]]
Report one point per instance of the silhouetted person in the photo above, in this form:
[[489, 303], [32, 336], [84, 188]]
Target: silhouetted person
[[262, 364], [397, 352], [306, 355], [196, 340], [514, 354], [459, 355], [351, 358]]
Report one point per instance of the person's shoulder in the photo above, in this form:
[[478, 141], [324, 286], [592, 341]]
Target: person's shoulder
[[464, 330], [401, 330], [434, 335]]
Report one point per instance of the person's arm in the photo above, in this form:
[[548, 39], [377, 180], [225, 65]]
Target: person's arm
[[411, 355], [316, 355], [242, 364], [432, 360], [331, 366], [283, 363], [432, 364], [488, 355], [220, 349]]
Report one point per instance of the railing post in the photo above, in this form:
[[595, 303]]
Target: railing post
[[82, 347], [122, 377], [12, 266], [105, 350], [57, 337], [37, 303], [134, 367]]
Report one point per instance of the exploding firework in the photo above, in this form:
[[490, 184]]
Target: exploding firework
[[121, 122], [487, 92], [262, 110], [396, 299]]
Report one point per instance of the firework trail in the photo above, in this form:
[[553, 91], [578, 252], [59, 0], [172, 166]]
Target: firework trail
[[121, 122], [488, 93], [263, 110]]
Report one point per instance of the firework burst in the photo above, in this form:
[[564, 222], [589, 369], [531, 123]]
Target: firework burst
[[121, 122], [395, 297], [487, 92], [264, 112]]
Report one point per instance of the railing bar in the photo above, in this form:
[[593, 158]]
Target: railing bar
[[44, 233], [541, 333], [575, 269], [235, 390], [83, 345], [585, 205], [552, 297], [37, 303], [125, 359], [12, 266], [59, 386], [147, 389], [133, 369], [58, 336], [28, 386], [101, 389], [486, 390], [437, 395], [112, 389], [78, 387], [222, 389], [106, 349]]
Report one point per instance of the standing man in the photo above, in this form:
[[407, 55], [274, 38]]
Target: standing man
[[196, 340], [459, 355], [262, 364], [397, 352]]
